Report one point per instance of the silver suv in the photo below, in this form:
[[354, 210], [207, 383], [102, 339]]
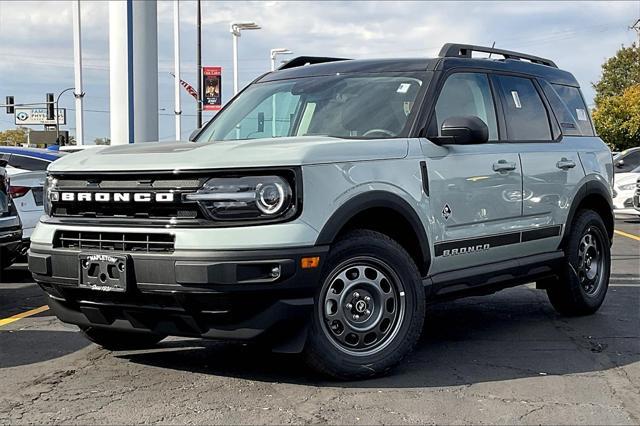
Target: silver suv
[[329, 202]]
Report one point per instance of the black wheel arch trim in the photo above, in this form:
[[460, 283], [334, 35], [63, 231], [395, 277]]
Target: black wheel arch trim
[[376, 199], [591, 187]]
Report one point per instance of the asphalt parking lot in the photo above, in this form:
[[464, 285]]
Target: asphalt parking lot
[[505, 358]]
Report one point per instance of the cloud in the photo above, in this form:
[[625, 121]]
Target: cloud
[[36, 50]]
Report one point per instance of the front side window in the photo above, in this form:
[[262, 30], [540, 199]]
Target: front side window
[[525, 113], [360, 106], [466, 94]]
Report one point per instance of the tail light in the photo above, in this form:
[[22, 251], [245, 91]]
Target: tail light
[[18, 191]]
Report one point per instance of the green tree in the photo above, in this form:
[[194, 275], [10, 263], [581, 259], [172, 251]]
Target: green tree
[[617, 112], [617, 119], [619, 73], [14, 137]]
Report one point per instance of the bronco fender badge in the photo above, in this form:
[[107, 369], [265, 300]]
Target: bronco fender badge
[[446, 211]]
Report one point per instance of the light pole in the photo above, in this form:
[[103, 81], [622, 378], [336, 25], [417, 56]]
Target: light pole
[[56, 114], [274, 54], [176, 66], [235, 28]]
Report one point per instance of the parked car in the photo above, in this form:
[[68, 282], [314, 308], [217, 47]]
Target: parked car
[[10, 232], [27, 167], [325, 224], [21, 160], [627, 160], [625, 186]]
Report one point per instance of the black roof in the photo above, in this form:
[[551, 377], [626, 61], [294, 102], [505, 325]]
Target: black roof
[[511, 62]]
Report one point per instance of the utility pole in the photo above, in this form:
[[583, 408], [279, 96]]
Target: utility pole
[[636, 27], [77, 68], [199, 64], [176, 65]]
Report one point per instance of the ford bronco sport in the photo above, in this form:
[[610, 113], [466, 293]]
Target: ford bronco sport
[[329, 202]]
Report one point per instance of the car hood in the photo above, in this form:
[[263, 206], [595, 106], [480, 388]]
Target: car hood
[[290, 151], [626, 178]]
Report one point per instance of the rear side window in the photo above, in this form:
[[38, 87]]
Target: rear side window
[[525, 114], [28, 163], [573, 100]]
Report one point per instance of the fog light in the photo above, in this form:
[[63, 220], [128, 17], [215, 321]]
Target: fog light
[[275, 272]]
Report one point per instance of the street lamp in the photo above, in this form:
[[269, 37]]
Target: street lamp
[[278, 51], [235, 28], [274, 54]]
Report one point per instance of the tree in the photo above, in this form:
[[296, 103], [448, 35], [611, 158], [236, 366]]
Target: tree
[[617, 112], [619, 73], [14, 137], [617, 119]]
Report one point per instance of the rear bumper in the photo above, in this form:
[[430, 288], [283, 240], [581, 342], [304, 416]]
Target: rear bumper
[[217, 295]]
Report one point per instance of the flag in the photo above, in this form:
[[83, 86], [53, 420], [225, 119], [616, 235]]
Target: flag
[[187, 87]]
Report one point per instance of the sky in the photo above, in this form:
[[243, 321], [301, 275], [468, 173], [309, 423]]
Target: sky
[[36, 42]]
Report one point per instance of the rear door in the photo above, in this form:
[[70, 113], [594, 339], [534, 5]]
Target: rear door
[[551, 168], [474, 190]]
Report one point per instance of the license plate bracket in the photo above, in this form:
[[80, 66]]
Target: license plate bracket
[[103, 272]]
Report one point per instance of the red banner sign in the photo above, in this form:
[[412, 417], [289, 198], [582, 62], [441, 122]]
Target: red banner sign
[[212, 88]]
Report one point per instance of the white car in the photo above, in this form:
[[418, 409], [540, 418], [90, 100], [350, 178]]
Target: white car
[[625, 185], [27, 169]]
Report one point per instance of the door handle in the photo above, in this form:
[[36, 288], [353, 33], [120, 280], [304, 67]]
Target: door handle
[[504, 166], [565, 164]]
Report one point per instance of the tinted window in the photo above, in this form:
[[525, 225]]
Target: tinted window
[[27, 163], [573, 100], [630, 162], [525, 113], [466, 94]]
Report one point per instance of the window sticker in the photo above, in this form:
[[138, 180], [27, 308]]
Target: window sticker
[[516, 99], [403, 88], [581, 114]]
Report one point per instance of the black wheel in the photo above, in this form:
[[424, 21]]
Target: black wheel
[[584, 279], [121, 340], [369, 309]]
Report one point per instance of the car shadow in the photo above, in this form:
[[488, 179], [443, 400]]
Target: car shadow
[[510, 335], [25, 347]]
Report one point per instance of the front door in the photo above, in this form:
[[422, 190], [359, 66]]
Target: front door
[[475, 191]]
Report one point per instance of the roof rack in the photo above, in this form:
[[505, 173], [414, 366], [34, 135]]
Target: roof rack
[[301, 61], [453, 50]]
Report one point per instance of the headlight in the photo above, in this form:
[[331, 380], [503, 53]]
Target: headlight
[[627, 187], [246, 198], [49, 184]]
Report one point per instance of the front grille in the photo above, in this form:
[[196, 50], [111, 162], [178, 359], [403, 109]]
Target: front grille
[[115, 241], [129, 212]]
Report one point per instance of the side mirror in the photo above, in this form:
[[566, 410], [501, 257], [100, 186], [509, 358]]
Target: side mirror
[[463, 130], [619, 163], [194, 134]]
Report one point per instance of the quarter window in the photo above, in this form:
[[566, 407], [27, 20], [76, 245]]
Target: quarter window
[[525, 113], [573, 100], [28, 163], [466, 94]]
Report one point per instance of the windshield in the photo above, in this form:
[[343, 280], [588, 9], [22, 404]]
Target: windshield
[[364, 106]]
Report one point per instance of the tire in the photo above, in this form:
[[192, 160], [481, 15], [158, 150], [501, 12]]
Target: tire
[[584, 279], [121, 340], [370, 289]]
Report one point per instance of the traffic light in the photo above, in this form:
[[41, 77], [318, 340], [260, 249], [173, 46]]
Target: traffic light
[[10, 103], [50, 107]]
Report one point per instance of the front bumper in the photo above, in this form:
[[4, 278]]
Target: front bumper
[[214, 294]]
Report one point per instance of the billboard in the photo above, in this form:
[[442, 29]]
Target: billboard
[[211, 88], [34, 116]]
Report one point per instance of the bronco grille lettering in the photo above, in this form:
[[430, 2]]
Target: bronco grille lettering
[[117, 197]]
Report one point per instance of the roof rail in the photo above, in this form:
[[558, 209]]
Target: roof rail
[[450, 50], [308, 60]]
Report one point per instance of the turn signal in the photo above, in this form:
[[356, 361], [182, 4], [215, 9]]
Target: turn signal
[[310, 262]]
